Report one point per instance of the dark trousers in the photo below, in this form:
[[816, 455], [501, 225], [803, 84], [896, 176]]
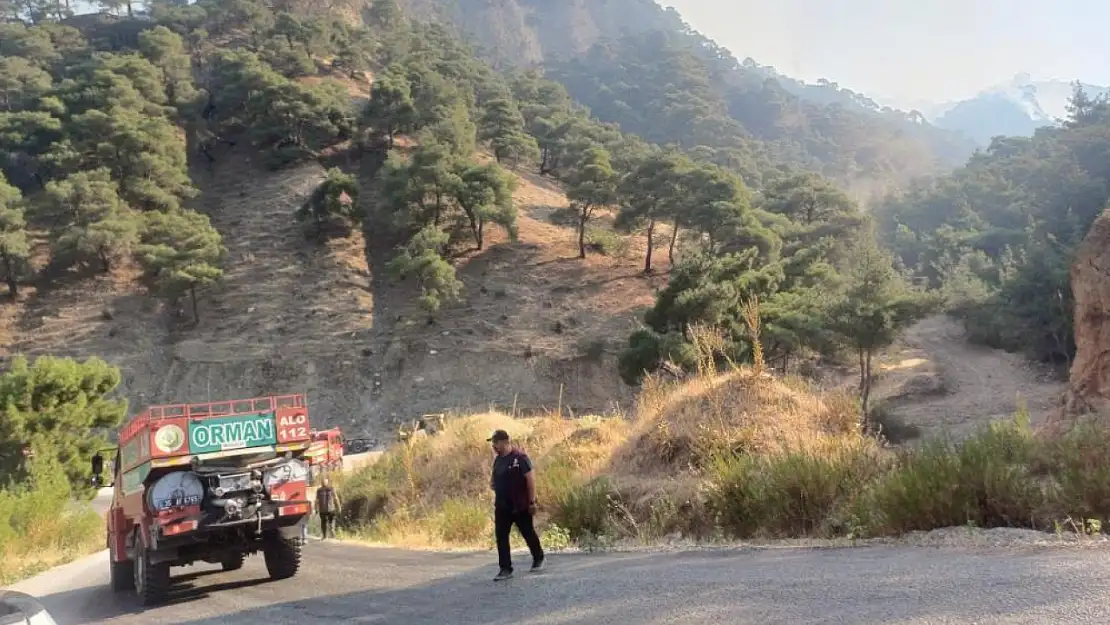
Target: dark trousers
[[327, 519], [503, 521]]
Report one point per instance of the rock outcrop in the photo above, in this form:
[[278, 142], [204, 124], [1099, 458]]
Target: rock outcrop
[[1089, 380]]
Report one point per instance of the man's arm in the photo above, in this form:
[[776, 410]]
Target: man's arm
[[529, 481]]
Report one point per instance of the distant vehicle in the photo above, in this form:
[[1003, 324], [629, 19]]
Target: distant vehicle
[[325, 454], [212, 482], [357, 445]]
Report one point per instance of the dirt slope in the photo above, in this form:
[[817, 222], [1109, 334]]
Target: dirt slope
[[536, 326], [934, 379]]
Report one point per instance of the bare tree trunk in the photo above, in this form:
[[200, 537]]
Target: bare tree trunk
[[865, 395], [650, 233], [861, 372], [674, 238], [193, 298], [545, 162], [583, 215], [9, 276]]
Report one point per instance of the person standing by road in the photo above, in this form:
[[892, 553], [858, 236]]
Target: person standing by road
[[327, 506], [514, 487]]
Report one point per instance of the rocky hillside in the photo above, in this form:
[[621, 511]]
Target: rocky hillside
[[1089, 383]]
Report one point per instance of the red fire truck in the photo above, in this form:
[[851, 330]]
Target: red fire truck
[[212, 482], [325, 454]]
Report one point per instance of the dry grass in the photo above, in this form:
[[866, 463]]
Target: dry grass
[[641, 477], [738, 454], [679, 425], [434, 491], [57, 543]]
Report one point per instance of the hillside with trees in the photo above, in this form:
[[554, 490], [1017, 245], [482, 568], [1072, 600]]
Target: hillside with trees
[[999, 235], [639, 65], [450, 235], [228, 199]]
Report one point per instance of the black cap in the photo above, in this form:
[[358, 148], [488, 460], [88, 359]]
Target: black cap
[[498, 436]]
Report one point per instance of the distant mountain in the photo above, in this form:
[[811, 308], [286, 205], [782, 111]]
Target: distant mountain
[[638, 64], [1016, 108]]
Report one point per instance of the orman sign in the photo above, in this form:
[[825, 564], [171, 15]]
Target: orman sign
[[208, 435]]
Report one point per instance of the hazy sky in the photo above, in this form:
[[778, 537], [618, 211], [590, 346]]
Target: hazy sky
[[911, 50]]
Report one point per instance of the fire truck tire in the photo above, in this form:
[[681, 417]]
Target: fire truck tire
[[152, 581], [233, 562], [283, 556], [121, 575]]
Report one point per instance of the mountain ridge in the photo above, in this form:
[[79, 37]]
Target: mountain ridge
[[1017, 107], [598, 50]]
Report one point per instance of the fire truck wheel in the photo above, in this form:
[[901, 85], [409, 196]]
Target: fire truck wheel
[[121, 575], [283, 556], [233, 562], [152, 581]]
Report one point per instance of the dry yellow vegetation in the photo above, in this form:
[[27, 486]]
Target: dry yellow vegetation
[[739, 454]]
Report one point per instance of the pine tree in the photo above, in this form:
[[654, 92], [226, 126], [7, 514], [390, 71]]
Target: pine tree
[[503, 127], [181, 253], [591, 185], [336, 196], [14, 248], [56, 406]]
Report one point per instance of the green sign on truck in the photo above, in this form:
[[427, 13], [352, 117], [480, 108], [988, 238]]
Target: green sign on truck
[[238, 432]]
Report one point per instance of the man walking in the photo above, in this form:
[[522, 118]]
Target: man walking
[[514, 488], [327, 506]]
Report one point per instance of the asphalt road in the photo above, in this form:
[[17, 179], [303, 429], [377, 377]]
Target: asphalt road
[[346, 583]]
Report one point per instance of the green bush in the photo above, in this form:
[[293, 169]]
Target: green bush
[[586, 510], [464, 522], [1077, 463], [647, 350], [607, 242], [797, 493], [986, 481], [41, 526]]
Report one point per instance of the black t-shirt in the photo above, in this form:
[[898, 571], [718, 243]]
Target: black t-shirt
[[509, 488], [325, 499]]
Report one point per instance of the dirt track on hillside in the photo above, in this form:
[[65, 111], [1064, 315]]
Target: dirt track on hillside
[[935, 379]]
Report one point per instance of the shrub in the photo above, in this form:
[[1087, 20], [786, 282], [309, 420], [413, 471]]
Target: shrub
[[986, 481], [586, 511], [1077, 463], [801, 492], [41, 527], [464, 522], [607, 242]]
